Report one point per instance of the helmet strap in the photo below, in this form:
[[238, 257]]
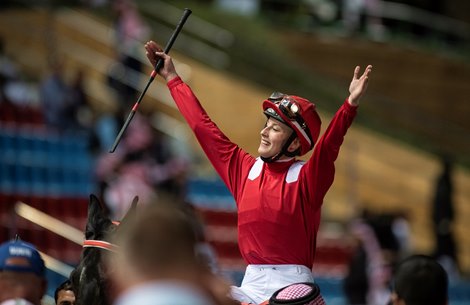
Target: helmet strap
[[284, 150]]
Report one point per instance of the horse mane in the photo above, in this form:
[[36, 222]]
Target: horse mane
[[88, 279]]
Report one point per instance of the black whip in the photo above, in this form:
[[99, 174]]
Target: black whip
[[157, 67]]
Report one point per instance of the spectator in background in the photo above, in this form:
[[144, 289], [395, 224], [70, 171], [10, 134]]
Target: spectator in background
[[401, 231], [356, 280], [419, 280], [8, 68], [130, 31], [55, 98], [369, 273], [22, 274], [126, 173], [106, 127], [143, 166], [7, 110], [18, 98], [157, 264], [65, 105], [8, 71], [443, 218], [64, 294], [79, 110], [124, 74], [382, 224]]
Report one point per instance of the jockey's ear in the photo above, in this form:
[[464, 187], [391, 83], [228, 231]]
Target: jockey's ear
[[132, 210]]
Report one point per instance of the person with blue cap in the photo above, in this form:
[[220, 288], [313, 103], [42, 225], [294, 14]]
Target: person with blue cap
[[22, 274]]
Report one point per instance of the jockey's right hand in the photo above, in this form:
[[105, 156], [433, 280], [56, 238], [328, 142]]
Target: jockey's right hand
[[154, 52]]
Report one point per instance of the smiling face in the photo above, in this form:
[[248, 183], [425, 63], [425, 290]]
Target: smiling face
[[273, 137]]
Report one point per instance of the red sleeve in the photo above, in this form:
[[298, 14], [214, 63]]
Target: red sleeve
[[229, 160], [319, 170]]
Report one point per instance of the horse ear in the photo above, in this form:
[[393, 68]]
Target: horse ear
[[95, 210], [130, 213]]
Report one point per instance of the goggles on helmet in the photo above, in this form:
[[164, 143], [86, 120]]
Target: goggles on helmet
[[289, 107]]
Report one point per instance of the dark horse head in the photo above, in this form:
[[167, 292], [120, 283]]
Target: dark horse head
[[89, 278]]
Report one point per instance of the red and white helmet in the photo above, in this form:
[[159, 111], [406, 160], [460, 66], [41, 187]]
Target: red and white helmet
[[299, 114]]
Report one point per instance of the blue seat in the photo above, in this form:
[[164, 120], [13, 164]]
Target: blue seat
[[45, 164], [40, 144], [24, 142], [210, 193], [6, 177], [7, 140]]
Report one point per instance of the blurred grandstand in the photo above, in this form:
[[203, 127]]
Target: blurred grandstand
[[416, 107]]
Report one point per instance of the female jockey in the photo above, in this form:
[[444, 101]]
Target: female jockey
[[278, 197]]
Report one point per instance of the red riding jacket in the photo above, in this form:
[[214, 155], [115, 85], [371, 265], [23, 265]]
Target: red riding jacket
[[278, 203]]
